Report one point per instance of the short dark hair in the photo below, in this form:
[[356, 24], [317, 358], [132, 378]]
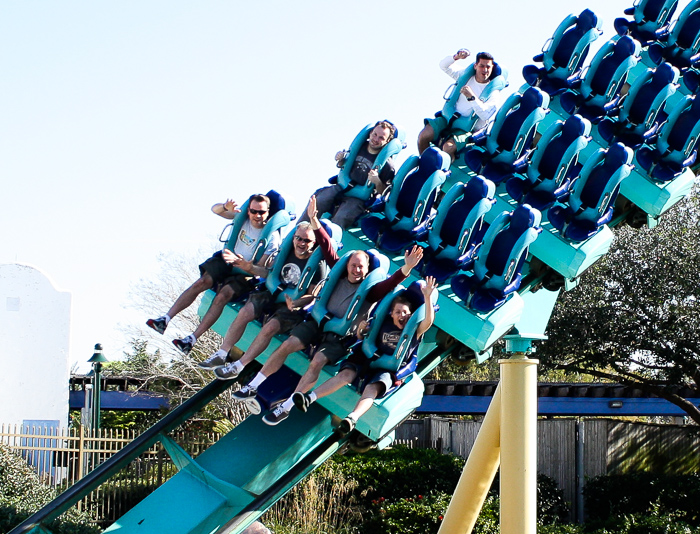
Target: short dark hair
[[388, 125], [260, 198], [484, 55], [400, 299]]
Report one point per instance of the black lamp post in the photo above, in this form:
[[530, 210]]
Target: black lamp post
[[97, 360]]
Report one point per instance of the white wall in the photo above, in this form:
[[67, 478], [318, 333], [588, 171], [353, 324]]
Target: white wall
[[34, 344]]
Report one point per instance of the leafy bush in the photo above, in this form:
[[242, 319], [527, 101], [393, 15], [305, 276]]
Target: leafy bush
[[409, 515], [644, 493], [22, 494], [401, 472]]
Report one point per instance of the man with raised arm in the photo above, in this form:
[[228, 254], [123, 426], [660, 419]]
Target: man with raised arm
[[350, 208], [469, 102], [218, 271], [281, 318], [330, 348], [376, 382]]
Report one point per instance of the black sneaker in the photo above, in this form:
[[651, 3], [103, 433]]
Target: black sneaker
[[347, 425], [227, 372], [276, 416], [302, 401], [159, 325], [246, 392], [184, 344]]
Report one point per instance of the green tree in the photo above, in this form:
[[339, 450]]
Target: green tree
[[635, 316]]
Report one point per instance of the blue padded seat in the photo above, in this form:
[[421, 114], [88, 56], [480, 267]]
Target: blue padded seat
[[393, 147], [676, 145], [314, 264], [410, 201], [599, 90], [642, 109], [564, 53], [498, 80], [554, 163], [392, 362], [378, 269], [650, 19], [282, 212], [497, 269], [456, 231], [680, 44], [503, 147], [593, 194]]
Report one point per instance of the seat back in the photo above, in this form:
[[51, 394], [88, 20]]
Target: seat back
[[393, 147], [459, 216], [608, 70], [415, 188], [565, 53], [647, 97], [685, 33], [378, 269], [505, 248], [652, 15], [513, 129], [282, 212], [406, 342], [497, 81], [595, 191], [275, 279], [558, 149], [678, 136]]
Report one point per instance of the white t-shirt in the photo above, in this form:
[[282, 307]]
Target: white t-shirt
[[248, 238]]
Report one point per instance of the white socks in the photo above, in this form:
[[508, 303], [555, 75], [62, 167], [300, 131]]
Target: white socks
[[259, 379]]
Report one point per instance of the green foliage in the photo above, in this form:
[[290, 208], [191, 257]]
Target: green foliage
[[409, 515], [643, 524], [401, 472], [22, 494], [643, 493], [635, 317]]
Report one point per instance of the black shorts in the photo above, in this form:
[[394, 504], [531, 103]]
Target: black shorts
[[223, 274], [332, 346]]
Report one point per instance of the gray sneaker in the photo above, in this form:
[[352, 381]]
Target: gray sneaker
[[227, 372], [246, 392], [302, 401], [276, 416], [347, 425], [215, 360]]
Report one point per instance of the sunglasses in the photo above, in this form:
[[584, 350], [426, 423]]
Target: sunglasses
[[257, 212], [303, 240]]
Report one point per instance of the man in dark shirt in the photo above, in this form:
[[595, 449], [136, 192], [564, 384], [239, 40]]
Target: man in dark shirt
[[350, 208]]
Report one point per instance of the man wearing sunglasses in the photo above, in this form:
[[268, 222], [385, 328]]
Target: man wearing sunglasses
[[349, 209], [281, 317], [218, 271]]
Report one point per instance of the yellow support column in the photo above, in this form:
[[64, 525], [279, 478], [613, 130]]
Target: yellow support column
[[478, 474], [518, 482]]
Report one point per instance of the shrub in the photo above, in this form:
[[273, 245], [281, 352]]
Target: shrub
[[644, 493], [22, 494], [409, 515]]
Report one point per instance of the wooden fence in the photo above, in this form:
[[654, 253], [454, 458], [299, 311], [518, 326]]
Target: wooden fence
[[61, 457], [572, 451], [569, 451]]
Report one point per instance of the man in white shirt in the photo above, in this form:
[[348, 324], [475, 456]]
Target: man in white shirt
[[468, 103], [218, 271]]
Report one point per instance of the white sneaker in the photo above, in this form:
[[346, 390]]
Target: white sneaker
[[229, 371]]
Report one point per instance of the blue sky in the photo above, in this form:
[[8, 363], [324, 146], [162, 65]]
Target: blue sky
[[121, 123]]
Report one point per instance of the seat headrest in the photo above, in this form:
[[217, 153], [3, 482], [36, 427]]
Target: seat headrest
[[433, 159], [524, 217], [532, 98], [333, 230], [414, 295], [377, 259], [587, 20], [575, 126], [477, 187], [617, 155], [277, 201], [665, 74], [625, 46]]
